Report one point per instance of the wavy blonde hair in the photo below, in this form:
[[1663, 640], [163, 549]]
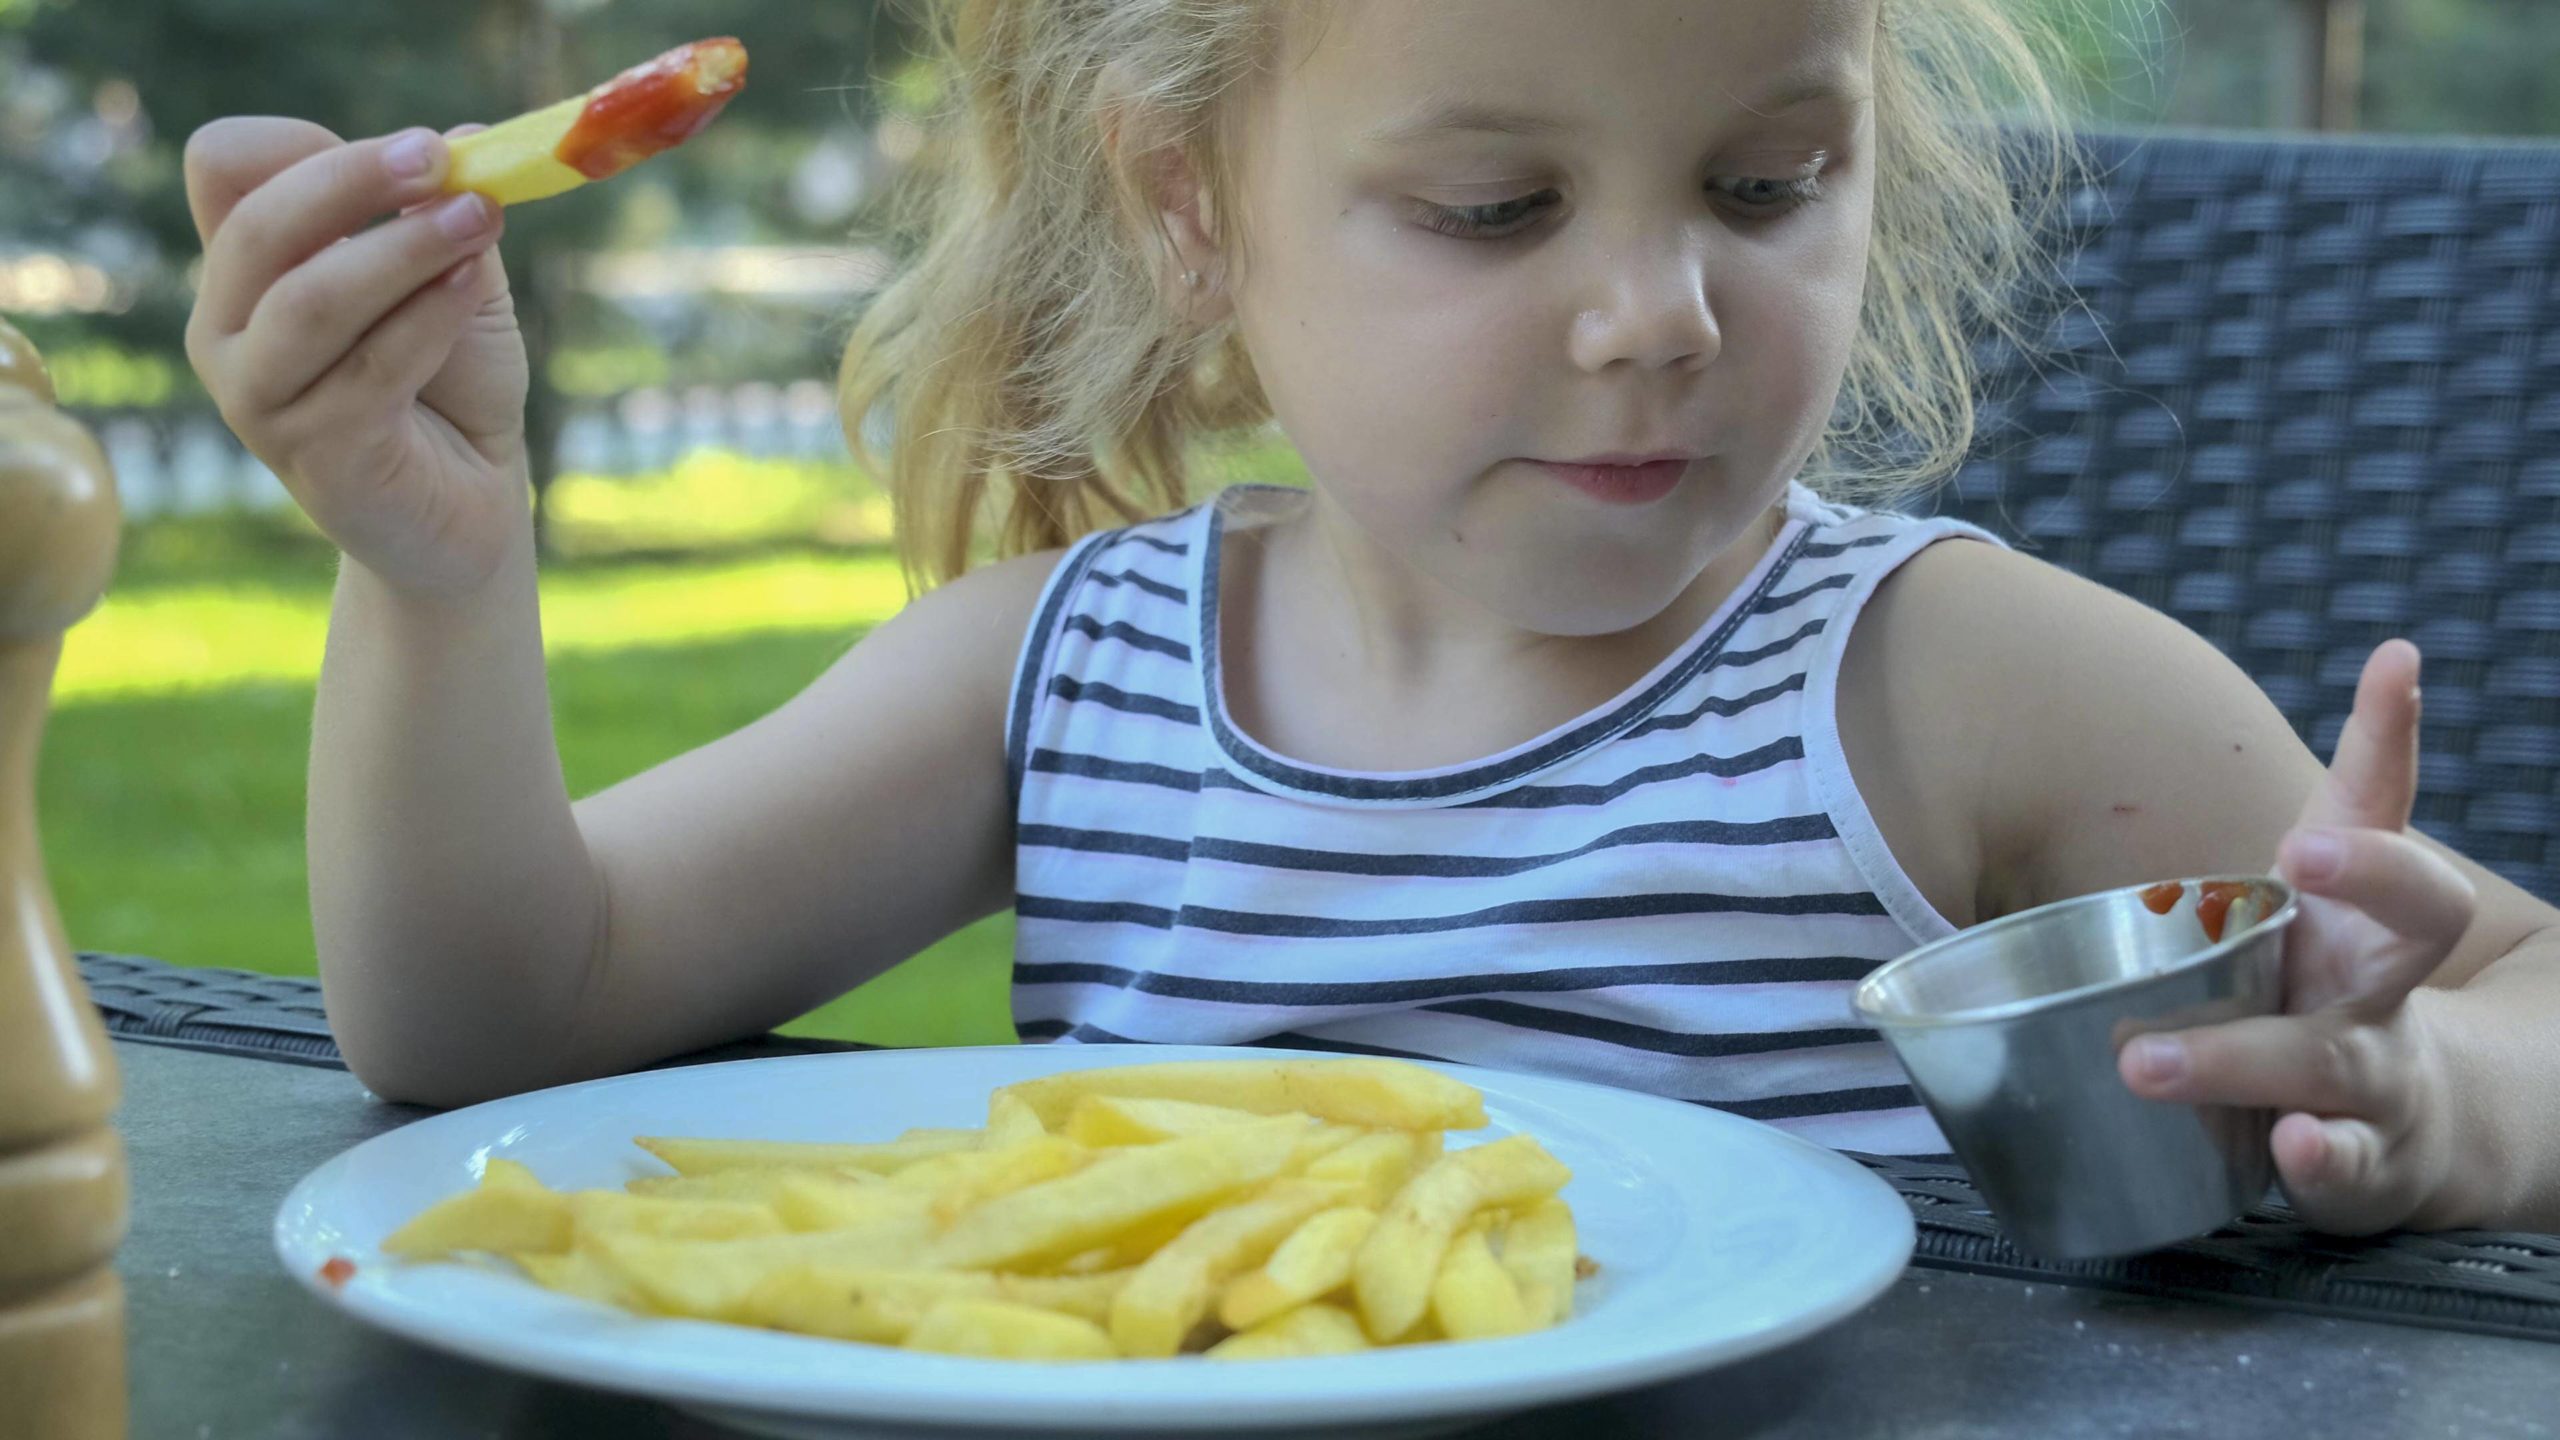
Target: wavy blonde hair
[[1042, 386]]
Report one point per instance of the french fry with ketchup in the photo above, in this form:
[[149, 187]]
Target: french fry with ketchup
[[598, 135]]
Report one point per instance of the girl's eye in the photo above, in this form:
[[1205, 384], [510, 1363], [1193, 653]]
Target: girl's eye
[[1484, 222], [1762, 195], [1758, 196]]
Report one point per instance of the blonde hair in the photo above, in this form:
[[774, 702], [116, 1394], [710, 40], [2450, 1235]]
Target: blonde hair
[[1034, 367]]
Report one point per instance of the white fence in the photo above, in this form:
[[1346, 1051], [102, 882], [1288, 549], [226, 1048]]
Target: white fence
[[174, 463]]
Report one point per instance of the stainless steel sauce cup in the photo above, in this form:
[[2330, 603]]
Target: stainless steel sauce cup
[[2010, 1032]]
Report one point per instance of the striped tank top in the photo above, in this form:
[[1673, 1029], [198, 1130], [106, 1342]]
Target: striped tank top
[[1674, 893]]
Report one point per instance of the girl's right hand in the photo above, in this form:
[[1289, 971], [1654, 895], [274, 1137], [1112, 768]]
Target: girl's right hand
[[378, 371]]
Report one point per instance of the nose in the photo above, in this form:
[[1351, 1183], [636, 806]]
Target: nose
[[1653, 310]]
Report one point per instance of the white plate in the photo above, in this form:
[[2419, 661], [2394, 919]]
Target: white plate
[[1717, 1238]]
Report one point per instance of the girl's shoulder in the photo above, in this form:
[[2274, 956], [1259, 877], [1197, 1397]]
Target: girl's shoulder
[[1004, 600], [2033, 734], [959, 639]]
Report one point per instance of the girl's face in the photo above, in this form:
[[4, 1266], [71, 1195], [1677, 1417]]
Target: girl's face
[[1486, 234]]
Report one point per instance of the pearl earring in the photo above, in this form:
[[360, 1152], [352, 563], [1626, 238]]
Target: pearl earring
[[1191, 279]]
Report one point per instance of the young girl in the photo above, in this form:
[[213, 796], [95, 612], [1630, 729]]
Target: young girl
[[1575, 719]]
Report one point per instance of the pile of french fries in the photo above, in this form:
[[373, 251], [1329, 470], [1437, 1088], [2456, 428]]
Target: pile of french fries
[[1237, 1209]]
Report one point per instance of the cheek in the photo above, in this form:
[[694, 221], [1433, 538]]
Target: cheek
[[1376, 359], [1790, 317]]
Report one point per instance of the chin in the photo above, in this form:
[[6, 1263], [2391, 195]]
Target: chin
[[1567, 580], [1599, 594]]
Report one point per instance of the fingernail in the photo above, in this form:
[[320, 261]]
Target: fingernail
[[410, 155], [2159, 1061], [462, 217], [2315, 854]]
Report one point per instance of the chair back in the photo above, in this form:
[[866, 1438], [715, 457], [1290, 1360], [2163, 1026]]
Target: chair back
[[2308, 399]]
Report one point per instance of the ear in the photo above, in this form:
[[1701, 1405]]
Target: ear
[[1170, 208], [1195, 268]]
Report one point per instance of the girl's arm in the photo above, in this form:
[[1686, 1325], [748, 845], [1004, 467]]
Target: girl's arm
[[480, 934], [2047, 737], [477, 932]]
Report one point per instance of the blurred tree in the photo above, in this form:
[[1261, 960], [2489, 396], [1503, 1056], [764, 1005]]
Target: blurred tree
[[2465, 67], [2475, 67], [367, 67]]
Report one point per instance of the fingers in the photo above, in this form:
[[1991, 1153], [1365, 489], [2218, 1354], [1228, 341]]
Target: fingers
[[2373, 777], [2339, 1175], [2336, 1085], [314, 202], [456, 133], [312, 317], [2270, 1062], [394, 360], [2413, 894], [228, 158]]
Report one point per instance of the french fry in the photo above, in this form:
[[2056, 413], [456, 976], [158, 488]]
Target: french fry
[[1313, 1262], [1540, 1250], [1305, 1331], [956, 1182], [575, 1272], [1392, 1275], [499, 1171], [1321, 1140], [1010, 1121], [1391, 1094], [882, 1306], [1110, 1120], [1136, 1244], [711, 1279], [1120, 1191], [759, 1184], [702, 1157], [508, 1212], [1172, 1291], [833, 1302], [812, 1200], [1473, 1297], [1377, 1164], [1003, 1331], [671, 1219], [1136, 1120], [1301, 1207], [1096, 1260], [1088, 1296], [596, 136]]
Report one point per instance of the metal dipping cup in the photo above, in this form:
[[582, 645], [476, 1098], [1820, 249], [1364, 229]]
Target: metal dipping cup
[[2010, 1032]]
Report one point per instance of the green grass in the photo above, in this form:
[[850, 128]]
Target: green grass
[[171, 782], [683, 605]]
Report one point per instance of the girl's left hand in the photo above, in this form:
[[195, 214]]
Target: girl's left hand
[[2364, 1139]]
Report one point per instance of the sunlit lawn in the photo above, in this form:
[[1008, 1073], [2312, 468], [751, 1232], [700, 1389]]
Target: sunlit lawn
[[172, 779]]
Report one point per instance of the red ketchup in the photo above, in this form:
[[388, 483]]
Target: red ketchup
[[2213, 902], [653, 107]]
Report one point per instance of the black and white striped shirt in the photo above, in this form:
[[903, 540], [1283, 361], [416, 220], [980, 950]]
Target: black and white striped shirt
[[1673, 893]]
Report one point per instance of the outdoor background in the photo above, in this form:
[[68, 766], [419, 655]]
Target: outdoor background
[[709, 547]]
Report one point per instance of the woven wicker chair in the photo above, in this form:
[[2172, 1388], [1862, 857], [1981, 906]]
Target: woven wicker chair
[[2313, 401]]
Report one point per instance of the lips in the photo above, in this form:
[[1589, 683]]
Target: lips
[[1637, 481]]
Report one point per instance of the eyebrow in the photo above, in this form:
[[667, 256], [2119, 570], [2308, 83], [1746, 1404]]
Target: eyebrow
[[1463, 117]]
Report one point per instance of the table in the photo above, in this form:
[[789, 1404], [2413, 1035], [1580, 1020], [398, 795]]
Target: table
[[224, 1344]]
